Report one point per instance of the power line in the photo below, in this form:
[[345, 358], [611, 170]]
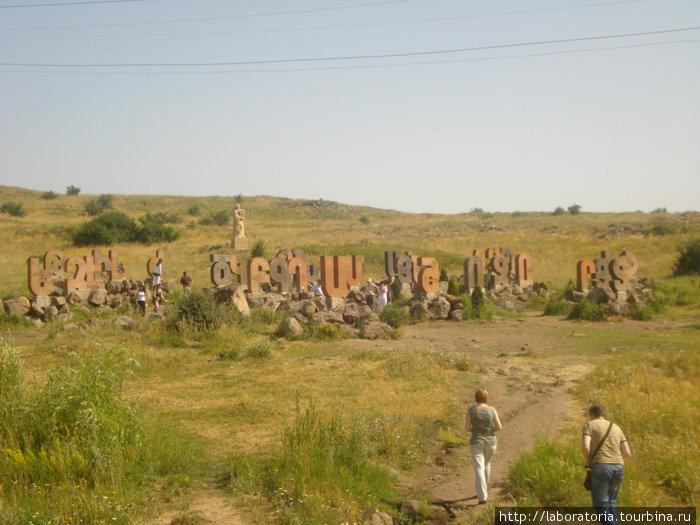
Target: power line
[[296, 29], [214, 18], [345, 67], [68, 3], [355, 57]]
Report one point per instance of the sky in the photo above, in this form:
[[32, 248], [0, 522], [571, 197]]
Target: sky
[[427, 106]]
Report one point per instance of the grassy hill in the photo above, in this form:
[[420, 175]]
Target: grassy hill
[[555, 242]]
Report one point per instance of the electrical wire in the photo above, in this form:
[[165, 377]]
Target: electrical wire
[[55, 4], [355, 57]]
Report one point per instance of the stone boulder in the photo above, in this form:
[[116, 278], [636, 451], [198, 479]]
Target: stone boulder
[[126, 323], [58, 301], [97, 297], [353, 313], [440, 308], [376, 330], [379, 518], [17, 306], [456, 315], [327, 316], [114, 287], [307, 308], [224, 294], [239, 301], [269, 301], [290, 327], [599, 296]]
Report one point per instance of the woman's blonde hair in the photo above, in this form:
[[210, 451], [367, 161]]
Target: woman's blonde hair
[[481, 396]]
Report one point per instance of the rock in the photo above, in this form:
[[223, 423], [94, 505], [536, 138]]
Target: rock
[[114, 301], [167, 286], [58, 301], [376, 330], [97, 297], [114, 287], [308, 308], [290, 327], [41, 301], [195, 344], [125, 322], [614, 307], [438, 516], [37, 311], [239, 301], [64, 317], [539, 286], [70, 327], [50, 313], [329, 316], [269, 301], [421, 310], [354, 313], [380, 518], [599, 295], [456, 315], [37, 323], [75, 298], [455, 301], [440, 308], [411, 508], [577, 296], [224, 294], [17, 306]]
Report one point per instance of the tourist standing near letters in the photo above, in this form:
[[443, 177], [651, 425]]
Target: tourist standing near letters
[[483, 422], [604, 447]]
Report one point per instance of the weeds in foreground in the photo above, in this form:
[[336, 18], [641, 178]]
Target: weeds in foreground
[[665, 467]]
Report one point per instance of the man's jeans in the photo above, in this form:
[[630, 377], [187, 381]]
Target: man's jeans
[[605, 483]]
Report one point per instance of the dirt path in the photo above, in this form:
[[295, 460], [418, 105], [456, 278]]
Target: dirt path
[[531, 396]]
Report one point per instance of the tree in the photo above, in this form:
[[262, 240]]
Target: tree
[[688, 262], [72, 190], [559, 211], [574, 209]]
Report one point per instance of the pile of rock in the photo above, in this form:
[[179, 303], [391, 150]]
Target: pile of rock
[[618, 303], [46, 308]]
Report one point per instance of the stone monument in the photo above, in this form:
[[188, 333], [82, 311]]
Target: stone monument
[[239, 241]]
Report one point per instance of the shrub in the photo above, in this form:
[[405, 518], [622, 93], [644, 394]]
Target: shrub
[[395, 290], [394, 315], [72, 190], [198, 311], [557, 307], [238, 199], [193, 210], [661, 228], [258, 249], [109, 228], [364, 219], [116, 227], [216, 218], [688, 261], [477, 306], [559, 211], [93, 208], [48, 195], [588, 311], [574, 209], [13, 208], [659, 210], [229, 354], [260, 350], [454, 287]]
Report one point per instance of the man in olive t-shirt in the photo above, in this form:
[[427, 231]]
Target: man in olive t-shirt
[[607, 465]]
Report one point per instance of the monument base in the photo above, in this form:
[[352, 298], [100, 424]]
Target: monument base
[[239, 243]]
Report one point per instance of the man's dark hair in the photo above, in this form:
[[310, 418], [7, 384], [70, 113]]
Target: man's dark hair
[[597, 411]]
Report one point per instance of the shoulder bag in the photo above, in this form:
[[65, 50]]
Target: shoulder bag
[[587, 481]]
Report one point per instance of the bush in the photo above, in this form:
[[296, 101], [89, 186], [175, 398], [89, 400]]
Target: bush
[[198, 311], [688, 262], [217, 218], [109, 228], [364, 219], [193, 210], [559, 211], [72, 190], [100, 204], [13, 208], [661, 228], [574, 209], [48, 195], [475, 306], [588, 311], [557, 307], [258, 249], [394, 315], [116, 227], [260, 350], [395, 291]]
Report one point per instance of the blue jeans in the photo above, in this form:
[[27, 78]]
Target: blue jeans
[[605, 483]]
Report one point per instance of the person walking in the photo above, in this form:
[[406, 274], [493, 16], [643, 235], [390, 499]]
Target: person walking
[[382, 295], [141, 299], [483, 422], [610, 448], [186, 282]]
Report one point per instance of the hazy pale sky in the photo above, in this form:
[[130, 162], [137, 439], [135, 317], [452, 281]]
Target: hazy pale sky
[[415, 105]]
